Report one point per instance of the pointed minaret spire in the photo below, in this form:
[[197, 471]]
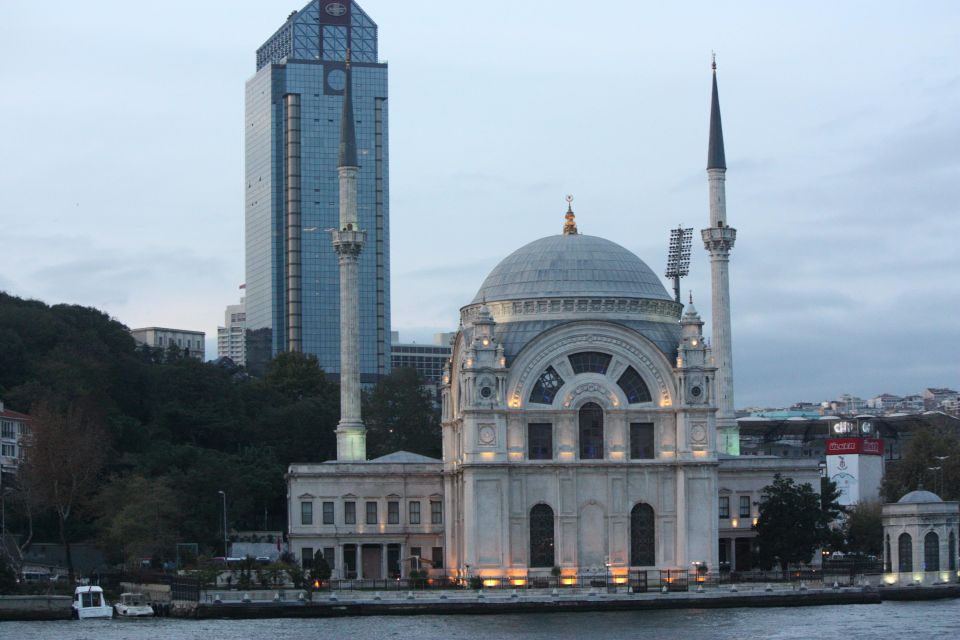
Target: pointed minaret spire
[[716, 159], [718, 240], [348, 242], [348, 137], [570, 226]]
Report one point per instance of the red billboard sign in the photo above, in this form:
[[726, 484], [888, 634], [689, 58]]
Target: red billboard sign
[[850, 446]]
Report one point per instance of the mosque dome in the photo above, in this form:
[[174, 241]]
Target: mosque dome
[[571, 265], [918, 497]]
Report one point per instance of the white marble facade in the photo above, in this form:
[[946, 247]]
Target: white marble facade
[[920, 538]]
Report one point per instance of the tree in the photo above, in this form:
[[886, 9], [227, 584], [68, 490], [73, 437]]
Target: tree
[[297, 376], [62, 461], [864, 528], [921, 466], [138, 516], [400, 415], [792, 523]]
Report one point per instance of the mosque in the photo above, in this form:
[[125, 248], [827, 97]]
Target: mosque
[[588, 424]]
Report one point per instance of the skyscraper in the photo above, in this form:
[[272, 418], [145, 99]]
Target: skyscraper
[[292, 131]]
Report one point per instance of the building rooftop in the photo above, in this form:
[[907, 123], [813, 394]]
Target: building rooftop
[[919, 496], [571, 265]]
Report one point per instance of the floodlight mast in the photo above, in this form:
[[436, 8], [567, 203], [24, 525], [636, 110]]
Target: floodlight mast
[[678, 257]]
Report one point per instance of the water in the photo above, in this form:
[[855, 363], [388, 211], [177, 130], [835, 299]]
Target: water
[[932, 619]]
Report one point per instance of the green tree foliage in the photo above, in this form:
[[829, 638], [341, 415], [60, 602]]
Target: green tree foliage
[[918, 466], [180, 429], [138, 517], [792, 523], [863, 529], [401, 416]]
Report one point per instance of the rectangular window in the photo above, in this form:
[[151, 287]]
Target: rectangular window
[[437, 558], [306, 512], [724, 507], [350, 512], [416, 552], [9, 450], [7, 429], [641, 441], [306, 557], [393, 513], [415, 512], [371, 513], [540, 441], [744, 506], [327, 513], [350, 560], [329, 555], [436, 512]]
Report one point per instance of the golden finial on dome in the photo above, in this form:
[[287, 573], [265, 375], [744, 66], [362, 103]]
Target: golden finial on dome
[[570, 226]]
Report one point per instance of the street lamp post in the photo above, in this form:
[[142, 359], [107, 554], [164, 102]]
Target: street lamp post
[[224, 496]]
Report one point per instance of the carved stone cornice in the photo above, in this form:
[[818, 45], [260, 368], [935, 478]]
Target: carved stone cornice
[[576, 307], [719, 240]]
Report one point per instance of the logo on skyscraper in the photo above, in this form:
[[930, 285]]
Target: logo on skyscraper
[[335, 9]]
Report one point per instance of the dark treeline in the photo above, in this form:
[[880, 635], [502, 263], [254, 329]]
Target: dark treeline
[[171, 432]]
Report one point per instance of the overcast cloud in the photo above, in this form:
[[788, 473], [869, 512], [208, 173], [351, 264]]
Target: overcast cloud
[[122, 170]]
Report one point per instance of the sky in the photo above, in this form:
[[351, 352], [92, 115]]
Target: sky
[[122, 164]]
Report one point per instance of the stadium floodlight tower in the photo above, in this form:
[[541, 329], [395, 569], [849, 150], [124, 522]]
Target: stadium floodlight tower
[[678, 258]]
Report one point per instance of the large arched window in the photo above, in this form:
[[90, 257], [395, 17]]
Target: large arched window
[[931, 552], [643, 548], [591, 432], [590, 362], [541, 536], [634, 387], [952, 553], [905, 553]]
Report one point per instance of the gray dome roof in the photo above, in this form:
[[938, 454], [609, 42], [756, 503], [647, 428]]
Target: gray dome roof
[[919, 496], [571, 265]]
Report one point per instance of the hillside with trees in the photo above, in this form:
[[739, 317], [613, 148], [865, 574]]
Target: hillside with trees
[[145, 440]]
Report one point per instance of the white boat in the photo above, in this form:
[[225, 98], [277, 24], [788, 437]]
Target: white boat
[[88, 602], [133, 605]]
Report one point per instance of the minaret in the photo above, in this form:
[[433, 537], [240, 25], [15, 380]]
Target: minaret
[[718, 240], [348, 243]]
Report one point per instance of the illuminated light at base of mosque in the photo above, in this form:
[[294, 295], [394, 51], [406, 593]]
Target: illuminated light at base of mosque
[[488, 455], [620, 580], [491, 583], [568, 581], [518, 582]]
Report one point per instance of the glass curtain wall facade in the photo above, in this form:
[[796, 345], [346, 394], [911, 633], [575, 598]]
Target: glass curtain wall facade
[[296, 140]]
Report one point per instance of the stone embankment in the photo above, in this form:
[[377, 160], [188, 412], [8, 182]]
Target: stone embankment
[[35, 607], [471, 602]]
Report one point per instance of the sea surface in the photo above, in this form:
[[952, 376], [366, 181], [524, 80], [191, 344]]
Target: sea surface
[[931, 619]]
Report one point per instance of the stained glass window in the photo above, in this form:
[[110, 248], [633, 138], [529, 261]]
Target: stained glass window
[[633, 386], [545, 390], [590, 362], [591, 432]]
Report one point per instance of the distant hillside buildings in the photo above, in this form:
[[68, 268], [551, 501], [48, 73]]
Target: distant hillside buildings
[[191, 343], [231, 338]]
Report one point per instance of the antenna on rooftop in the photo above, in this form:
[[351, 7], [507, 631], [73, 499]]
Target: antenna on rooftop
[[678, 257]]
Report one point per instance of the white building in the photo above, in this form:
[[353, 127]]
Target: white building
[[920, 535], [231, 338], [190, 342], [582, 429], [14, 428]]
